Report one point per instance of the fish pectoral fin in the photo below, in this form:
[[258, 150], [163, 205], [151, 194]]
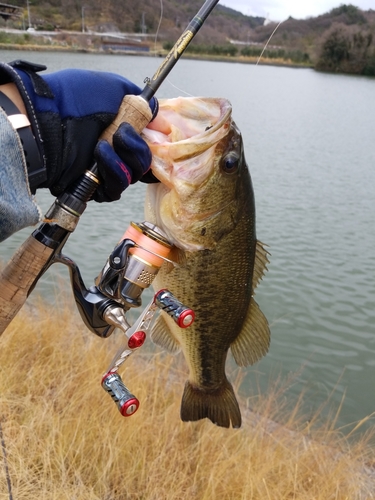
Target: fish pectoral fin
[[260, 263], [220, 405], [177, 258], [163, 337], [254, 340]]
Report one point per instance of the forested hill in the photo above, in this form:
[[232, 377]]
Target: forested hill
[[137, 16], [341, 40]]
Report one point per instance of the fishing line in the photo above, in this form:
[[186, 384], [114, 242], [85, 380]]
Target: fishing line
[[268, 41], [158, 28], [156, 38], [178, 88]]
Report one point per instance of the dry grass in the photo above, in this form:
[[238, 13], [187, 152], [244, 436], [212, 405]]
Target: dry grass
[[65, 439]]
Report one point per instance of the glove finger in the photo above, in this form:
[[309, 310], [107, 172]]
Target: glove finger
[[154, 105], [115, 175], [149, 178], [133, 151]]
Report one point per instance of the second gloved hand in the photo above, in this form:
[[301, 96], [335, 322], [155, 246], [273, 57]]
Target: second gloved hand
[[123, 164], [70, 109]]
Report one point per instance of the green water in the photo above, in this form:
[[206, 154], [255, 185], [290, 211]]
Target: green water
[[310, 144]]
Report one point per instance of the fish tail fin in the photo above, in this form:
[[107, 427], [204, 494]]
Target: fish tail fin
[[220, 405]]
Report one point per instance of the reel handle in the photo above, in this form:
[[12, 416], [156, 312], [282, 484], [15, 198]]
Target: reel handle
[[182, 315], [126, 402], [112, 383]]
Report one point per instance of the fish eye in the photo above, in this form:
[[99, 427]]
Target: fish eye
[[230, 164]]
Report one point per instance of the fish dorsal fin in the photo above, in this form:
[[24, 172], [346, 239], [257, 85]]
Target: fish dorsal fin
[[163, 337], [254, 340], [260, 264]]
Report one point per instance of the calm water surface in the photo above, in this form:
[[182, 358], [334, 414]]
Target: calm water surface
[[310, 144]]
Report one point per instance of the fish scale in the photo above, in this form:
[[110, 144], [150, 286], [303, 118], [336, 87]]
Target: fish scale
[[205, 205]]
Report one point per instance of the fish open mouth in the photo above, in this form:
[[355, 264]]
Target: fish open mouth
[[183, 135], [183, 118], [188, 139]]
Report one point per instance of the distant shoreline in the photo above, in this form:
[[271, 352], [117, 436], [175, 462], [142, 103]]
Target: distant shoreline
[[239, 60]]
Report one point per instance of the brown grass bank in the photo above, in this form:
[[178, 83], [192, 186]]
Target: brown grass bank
[[64, 438]]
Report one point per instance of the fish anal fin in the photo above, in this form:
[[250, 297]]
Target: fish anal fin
[[163, 337], [254, 340], [260, 263], [220, 405]]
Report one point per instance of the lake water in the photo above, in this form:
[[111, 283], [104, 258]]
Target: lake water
[[310, 145]]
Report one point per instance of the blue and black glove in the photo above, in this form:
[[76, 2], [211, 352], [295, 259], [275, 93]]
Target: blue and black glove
[[69, 110]]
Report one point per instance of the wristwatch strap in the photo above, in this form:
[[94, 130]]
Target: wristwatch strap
[[35, 168]]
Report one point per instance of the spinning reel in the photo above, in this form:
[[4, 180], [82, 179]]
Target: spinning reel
[[129, 270]]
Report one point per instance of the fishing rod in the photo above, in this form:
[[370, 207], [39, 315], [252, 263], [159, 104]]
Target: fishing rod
[[129, 269], [139, 104], [36, 254]]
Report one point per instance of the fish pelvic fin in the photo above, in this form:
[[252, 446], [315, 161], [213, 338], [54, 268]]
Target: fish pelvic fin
[[260, 263], [163, 337], [220, 405], [254, 340]]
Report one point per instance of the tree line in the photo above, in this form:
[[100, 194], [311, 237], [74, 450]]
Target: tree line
[[347, 49]]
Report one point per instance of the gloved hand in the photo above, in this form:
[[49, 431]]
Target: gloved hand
[[70, 109]]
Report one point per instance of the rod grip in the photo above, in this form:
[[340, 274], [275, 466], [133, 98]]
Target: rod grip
[[134, 110], [19, 276]]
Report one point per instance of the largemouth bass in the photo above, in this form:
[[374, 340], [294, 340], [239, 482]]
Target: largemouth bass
[[204, 203]]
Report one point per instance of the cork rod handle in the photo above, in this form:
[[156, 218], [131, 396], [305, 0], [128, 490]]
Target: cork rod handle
[[25, 267], [19, 276], [134, 110]]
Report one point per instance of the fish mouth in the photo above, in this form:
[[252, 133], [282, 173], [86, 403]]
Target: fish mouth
[[183, 137], [181, 118], [188, 139]]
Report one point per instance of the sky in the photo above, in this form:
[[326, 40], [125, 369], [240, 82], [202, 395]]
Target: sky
[[279, 10]]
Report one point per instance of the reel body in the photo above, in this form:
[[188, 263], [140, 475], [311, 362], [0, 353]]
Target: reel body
[[129, 270]]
